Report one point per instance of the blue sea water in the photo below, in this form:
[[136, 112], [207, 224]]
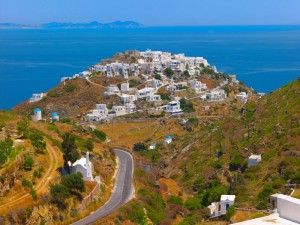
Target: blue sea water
[[32, 61]]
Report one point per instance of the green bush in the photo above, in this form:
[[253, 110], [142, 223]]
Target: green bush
[[69, 88], [99, 134], [140, 146], [230, 212]]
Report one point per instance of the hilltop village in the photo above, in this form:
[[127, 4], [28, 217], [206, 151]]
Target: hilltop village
[[153, 81]]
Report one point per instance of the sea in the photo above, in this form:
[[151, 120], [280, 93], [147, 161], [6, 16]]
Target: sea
[[33, 61]]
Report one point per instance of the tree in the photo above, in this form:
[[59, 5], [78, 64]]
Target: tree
[[69, 149], [73, 182], [89, 144], [37, 141], [23, 127], [59, 192], [5, 150], [140, 146], [157, 76], [186, 73], [28, 163], [169, 72]]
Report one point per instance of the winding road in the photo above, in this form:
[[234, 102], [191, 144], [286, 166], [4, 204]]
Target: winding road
[[123, 189]]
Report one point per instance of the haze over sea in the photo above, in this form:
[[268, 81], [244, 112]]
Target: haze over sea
[[33, 61]]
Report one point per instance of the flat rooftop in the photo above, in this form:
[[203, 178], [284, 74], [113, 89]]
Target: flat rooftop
[[273, 219]]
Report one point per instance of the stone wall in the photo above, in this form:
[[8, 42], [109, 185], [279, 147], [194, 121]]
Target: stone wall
[[93, 195]]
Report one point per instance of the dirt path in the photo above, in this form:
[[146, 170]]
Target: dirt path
[[95, 83], [41, 187]]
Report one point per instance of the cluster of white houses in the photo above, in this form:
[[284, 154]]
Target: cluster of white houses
[[149, 63]]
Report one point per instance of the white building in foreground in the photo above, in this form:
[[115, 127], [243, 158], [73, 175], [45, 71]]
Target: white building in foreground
[[83, 166], [286, 211]]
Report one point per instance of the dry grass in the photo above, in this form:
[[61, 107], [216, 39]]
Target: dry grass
[[246, 215], [296, 193]]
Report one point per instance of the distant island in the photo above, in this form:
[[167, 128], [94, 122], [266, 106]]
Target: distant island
[[90, 25]]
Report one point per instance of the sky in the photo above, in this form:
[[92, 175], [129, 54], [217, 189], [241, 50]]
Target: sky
[[153, 12]]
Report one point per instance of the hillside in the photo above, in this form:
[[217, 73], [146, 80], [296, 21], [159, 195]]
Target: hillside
[[74, 98], [199, 166]]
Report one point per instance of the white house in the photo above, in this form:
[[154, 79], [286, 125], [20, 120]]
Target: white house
[[55, 116], [84, 74], [83, 166], [198, 86], [254, 160], [119, 110], [285, 212], [112, 90], [226, 201], [143, 93], [220, 208], [243, 96], [216, 95], [155, 83], [125, 98], [172, 107], [97, 114], [94, 115], [125, 87], [130, 107], [37, 97], [153, 98], [99, 68], [37, 114]]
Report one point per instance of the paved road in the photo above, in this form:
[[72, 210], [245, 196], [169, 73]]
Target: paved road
[[123, 189]]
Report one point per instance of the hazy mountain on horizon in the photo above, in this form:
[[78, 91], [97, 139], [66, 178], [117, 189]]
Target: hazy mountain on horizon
[[59, 25]]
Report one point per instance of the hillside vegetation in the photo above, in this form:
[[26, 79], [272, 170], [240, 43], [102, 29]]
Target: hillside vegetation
[[211, 160]]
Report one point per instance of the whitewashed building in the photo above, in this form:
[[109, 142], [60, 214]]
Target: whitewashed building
[[153, 98], [216, 95], [254, 160], [99, 68], [125, 87], [285, 212], [97, 114], [198, 86], [84, 74], [125, 98], [220, 208], [130, 107], [119, 110], [112, 90], [243, 96], [168, 140], [172, 107], [55, 116], [37, 97], [37, 114], [143, 93], [83, 166]]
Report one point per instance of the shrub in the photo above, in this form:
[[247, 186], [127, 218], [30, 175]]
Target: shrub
[[28, 163], [140, 146], [230, 212], [69, 88], [100, 134]]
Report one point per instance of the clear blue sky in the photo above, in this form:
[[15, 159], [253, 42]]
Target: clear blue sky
[[153, 12]]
